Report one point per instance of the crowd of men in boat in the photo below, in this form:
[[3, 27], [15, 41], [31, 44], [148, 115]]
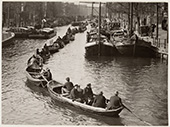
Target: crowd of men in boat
[[74, 92], [86, 95]]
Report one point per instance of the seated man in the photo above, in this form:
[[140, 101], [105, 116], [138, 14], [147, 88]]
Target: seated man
[[80, 97], [47, 74], [39, 58], [32, 60], [46, 49], [115, 102], [99, 101], [33, 65], [88, 94], [69, 30], [68, 86], [59, 38], [74, 94]]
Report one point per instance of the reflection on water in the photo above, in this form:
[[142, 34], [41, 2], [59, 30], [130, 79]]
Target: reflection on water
[[141, 82]]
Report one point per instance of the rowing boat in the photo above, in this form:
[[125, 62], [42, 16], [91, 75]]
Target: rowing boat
[[54, 89], [53, 48], [35, 78]]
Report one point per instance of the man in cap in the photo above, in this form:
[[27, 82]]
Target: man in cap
[[115, 102], [99, 100], [49, 77], [68, 86], [88, 94]]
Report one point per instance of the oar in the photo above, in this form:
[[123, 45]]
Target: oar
[[137, 116], [45, 80]]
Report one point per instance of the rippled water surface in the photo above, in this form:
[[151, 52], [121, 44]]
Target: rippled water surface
[[142, 83]]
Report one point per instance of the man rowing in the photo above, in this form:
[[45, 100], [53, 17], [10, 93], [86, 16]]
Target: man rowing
[[47, 74], [115, 102]]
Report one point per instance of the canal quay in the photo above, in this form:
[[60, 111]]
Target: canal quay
[[121, 49]]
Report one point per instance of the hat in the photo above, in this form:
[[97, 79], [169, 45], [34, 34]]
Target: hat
[[101, 92], [116, 92], [67, 78], [89, 84], [76, 85]]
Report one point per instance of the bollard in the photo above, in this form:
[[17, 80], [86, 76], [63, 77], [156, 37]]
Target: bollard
[[164, 43], [159, 42], [154, 41]]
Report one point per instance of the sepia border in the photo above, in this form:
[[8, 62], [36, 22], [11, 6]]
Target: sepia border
[[76, 1]]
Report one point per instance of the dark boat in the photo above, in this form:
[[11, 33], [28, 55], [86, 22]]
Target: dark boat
[[102, 48], [54, 89], [53, 48], [44, 33], [66, 41], [97, 44], [66, 38], [138, 45], [20, 32], [32, 33], [7, 37]]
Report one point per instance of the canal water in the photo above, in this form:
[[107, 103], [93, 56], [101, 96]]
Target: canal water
[[141, 82]]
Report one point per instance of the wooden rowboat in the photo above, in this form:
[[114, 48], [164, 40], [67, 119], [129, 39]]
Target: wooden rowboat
[[54, 89], [53, 48], [34, 79]]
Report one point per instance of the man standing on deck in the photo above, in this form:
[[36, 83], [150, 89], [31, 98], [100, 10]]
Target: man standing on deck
[[115, 102]]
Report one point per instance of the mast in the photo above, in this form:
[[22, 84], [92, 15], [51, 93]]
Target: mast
[[157, 18], [8, 12], [131, 18], [45, 9], [131, 27], [92, 10], [99, 25]]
